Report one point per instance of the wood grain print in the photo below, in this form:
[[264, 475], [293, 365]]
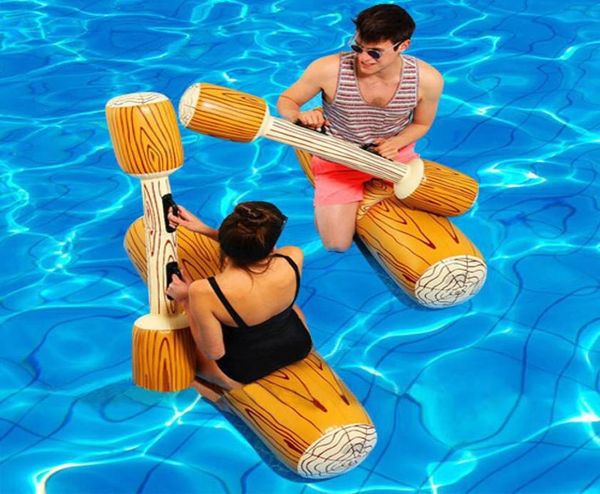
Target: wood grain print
[[147, 144], [161, 246], [144, 132], [307, 417], [163, 360], [334, 149], [444, 191], [197, 254], [163, 350], [328, 433], [425, 254], [221, 112], [234, 115]]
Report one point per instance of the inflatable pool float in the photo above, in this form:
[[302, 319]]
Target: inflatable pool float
[[303, 412], [427, 256], [222, 112], [147, 145]]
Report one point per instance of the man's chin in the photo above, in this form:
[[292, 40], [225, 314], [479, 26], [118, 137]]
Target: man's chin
[[368, 68]]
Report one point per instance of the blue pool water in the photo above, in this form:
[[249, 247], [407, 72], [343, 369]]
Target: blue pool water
[[500, 394]]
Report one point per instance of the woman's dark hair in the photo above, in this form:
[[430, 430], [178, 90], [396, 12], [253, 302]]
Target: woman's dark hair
[[248, 235], [384, 22]]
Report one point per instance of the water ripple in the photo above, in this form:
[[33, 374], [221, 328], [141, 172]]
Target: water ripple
[[500, 394]]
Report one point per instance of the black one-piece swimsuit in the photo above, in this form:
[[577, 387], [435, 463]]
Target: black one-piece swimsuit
[[252, 352]]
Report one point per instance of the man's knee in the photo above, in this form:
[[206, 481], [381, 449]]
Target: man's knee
[[336, 225], [337, 244]]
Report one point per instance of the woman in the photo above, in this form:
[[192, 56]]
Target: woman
[[244, 320]]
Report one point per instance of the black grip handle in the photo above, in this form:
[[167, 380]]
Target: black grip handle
[[370, 147], [168, 202], [322, 129], [171, 269]]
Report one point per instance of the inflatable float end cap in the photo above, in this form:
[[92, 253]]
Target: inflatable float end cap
[[337, 451], [135, 99], [451, 281], [188, 102]]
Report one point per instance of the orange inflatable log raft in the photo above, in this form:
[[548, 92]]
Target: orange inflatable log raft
[[303, 413], [222, 112], [427, 256]]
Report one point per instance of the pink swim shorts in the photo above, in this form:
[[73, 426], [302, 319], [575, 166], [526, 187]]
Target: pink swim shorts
[[338, 184]]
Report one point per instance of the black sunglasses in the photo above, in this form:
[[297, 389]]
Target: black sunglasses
[[374, 53]]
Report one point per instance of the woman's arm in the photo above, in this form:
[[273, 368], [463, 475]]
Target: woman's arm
[[191, 222], [205, 327], [298, 257]]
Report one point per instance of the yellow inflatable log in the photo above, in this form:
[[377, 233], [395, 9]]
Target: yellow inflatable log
[[427, 256], [147, 144], [144, 132], [228, 114], [303, 413]]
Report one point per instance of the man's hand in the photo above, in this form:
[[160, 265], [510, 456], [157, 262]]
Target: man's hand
[[388, 148], [312, 118]]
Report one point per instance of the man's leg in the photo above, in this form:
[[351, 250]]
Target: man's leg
[[336, 224]]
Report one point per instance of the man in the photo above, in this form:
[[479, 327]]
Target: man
[[372, 95]]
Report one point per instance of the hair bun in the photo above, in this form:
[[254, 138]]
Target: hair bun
[[250, 215]]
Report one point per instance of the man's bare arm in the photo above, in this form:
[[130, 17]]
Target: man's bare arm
[[308, 86]]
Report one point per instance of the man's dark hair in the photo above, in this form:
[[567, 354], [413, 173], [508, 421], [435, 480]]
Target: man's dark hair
[[384, 22]]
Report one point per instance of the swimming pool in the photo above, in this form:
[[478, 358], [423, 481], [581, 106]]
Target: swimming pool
[[501, 394]]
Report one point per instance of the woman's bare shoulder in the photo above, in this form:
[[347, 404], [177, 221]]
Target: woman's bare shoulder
[[292, 251], [198, 291]]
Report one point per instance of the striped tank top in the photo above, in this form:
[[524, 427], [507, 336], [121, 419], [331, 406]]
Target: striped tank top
[[354, 120]]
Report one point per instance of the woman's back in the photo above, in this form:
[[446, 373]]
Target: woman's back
[[244, 320], [256, 297], [259, 341]]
